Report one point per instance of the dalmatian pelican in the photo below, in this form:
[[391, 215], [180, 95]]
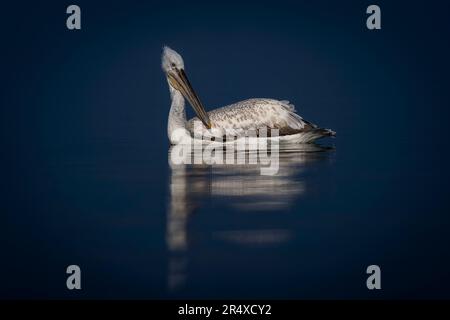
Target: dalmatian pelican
[[235, 119]]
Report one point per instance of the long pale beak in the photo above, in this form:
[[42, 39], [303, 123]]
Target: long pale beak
[[179, 81]]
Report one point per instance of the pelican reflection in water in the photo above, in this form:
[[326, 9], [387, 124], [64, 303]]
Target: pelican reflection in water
[[244, 189], [236, 119]]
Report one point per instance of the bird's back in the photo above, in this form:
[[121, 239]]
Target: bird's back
[[255, 114]]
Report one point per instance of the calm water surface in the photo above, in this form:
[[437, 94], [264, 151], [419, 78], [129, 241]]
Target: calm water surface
[[86, 178], [141, 228]]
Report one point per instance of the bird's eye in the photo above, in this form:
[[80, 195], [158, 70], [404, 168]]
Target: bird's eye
[[173, 64]]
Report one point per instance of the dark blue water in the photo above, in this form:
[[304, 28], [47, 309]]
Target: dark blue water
[[86, 178]]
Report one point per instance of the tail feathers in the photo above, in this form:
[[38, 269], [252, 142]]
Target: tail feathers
[[324, 132], [316, 133]]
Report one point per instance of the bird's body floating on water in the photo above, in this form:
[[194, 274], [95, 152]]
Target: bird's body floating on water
[[235, 119]]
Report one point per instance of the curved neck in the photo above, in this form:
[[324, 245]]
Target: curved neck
[[177, 113]]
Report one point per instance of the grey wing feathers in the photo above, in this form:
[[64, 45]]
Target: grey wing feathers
[[257, 113]]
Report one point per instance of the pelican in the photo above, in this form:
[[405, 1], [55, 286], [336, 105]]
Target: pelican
[[236, 119]]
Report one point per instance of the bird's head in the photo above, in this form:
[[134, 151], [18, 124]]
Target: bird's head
[[173, 66], [171, 60]]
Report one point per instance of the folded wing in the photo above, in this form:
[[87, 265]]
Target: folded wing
[[254, 114]]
